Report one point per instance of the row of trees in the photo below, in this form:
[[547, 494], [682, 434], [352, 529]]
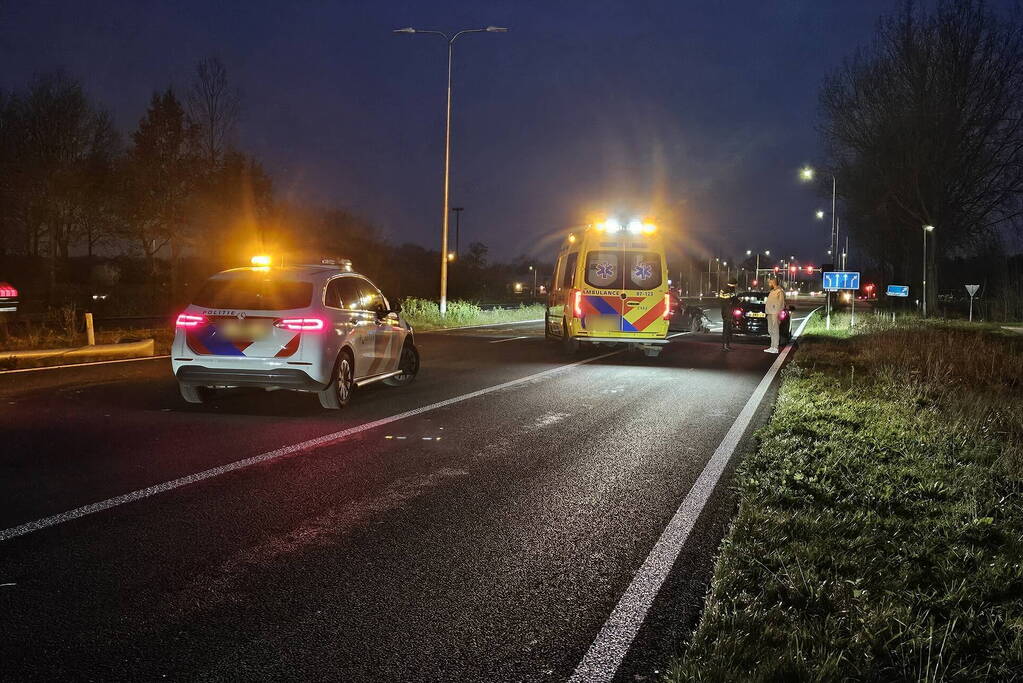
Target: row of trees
[[171, 202], [925, 127], [69, 183]]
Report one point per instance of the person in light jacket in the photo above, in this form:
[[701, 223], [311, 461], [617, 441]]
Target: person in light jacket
[[774, 305]]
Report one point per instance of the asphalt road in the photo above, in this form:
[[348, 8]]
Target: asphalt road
[[487, 539]]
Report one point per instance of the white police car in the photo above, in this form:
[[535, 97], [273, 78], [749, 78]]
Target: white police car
[[316, 328]]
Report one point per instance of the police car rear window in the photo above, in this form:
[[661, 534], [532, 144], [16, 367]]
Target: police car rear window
[[255, 294]]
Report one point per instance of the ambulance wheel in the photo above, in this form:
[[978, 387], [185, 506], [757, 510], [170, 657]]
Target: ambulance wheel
[[194, 394], [342, 384], [408, 364], [569, 345]]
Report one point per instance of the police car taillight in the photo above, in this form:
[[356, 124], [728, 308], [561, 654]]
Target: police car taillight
[[189, 321], [301, 324]]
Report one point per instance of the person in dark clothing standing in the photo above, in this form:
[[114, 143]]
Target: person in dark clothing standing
[[726, 297]]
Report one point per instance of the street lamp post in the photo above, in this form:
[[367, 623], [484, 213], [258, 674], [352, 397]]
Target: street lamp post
[[534, 282], [447, 151], [927, 229], [806, 173], [457, 210]]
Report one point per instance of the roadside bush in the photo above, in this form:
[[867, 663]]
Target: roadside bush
[[424, 314]]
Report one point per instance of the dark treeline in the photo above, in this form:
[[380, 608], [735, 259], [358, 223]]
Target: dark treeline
[[143, 218], [925, 127]]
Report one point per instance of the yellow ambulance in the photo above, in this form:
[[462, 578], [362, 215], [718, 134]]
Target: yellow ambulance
[[610, 286]]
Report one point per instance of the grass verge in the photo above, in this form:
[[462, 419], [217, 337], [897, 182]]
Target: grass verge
[[880, 526], [424, 314], [39, 337]]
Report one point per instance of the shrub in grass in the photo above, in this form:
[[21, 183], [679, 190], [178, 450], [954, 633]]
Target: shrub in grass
[[424, 314], [880, 528]]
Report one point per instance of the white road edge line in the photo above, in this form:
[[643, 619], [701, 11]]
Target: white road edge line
[[78, 365], [499, 341], [601, 661], [76, 513]]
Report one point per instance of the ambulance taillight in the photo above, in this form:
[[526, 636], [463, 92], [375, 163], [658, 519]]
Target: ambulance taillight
[[577, 303]]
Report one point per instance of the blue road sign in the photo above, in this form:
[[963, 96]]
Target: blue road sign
[[898, 290], [841, 279]]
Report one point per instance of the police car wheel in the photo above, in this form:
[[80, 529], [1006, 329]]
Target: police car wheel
[[194, 394], [339, 391], [409, 366]]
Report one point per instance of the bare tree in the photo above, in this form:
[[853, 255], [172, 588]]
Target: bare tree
[[213, 105], [926, 128]]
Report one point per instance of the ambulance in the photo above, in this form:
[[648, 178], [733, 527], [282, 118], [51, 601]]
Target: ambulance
[[610, 288]]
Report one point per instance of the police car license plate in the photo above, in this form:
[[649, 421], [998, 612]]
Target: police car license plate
[[755, 314], [245, 331]]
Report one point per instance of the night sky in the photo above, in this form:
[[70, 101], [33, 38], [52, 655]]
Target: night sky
[[696, 113]]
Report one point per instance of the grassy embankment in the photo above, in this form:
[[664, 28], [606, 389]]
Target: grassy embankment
[[880, 528], [424, 314]]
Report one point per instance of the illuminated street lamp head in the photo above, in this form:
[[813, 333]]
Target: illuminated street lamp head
[[929, 228], [806, 173], [405, 30], [451, 256], [749, 252], [820, 215], [531, 267], [767, 252], [496, 29]]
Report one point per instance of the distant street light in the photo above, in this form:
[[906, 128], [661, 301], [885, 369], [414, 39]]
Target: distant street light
[[820, 215], [534, 280], [807, 174], [447, 151], [927, 229]]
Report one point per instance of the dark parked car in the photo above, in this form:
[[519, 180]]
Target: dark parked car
[[749, 316], [8, 298]]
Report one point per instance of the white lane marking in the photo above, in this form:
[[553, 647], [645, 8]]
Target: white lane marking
[[473, 327], [76, 513], [500, 341], [601, 661], [78, 365]]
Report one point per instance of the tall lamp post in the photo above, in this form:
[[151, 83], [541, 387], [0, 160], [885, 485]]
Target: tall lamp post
[[806, 174], [534, 281], [447, 151], [756, 274], [457, 210], [927, 229]]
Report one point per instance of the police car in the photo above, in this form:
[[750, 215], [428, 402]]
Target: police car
[[318, 328]]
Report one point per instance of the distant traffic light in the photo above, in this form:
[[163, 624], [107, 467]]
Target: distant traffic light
[[793, 269], [809, 270], [776, 269]]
